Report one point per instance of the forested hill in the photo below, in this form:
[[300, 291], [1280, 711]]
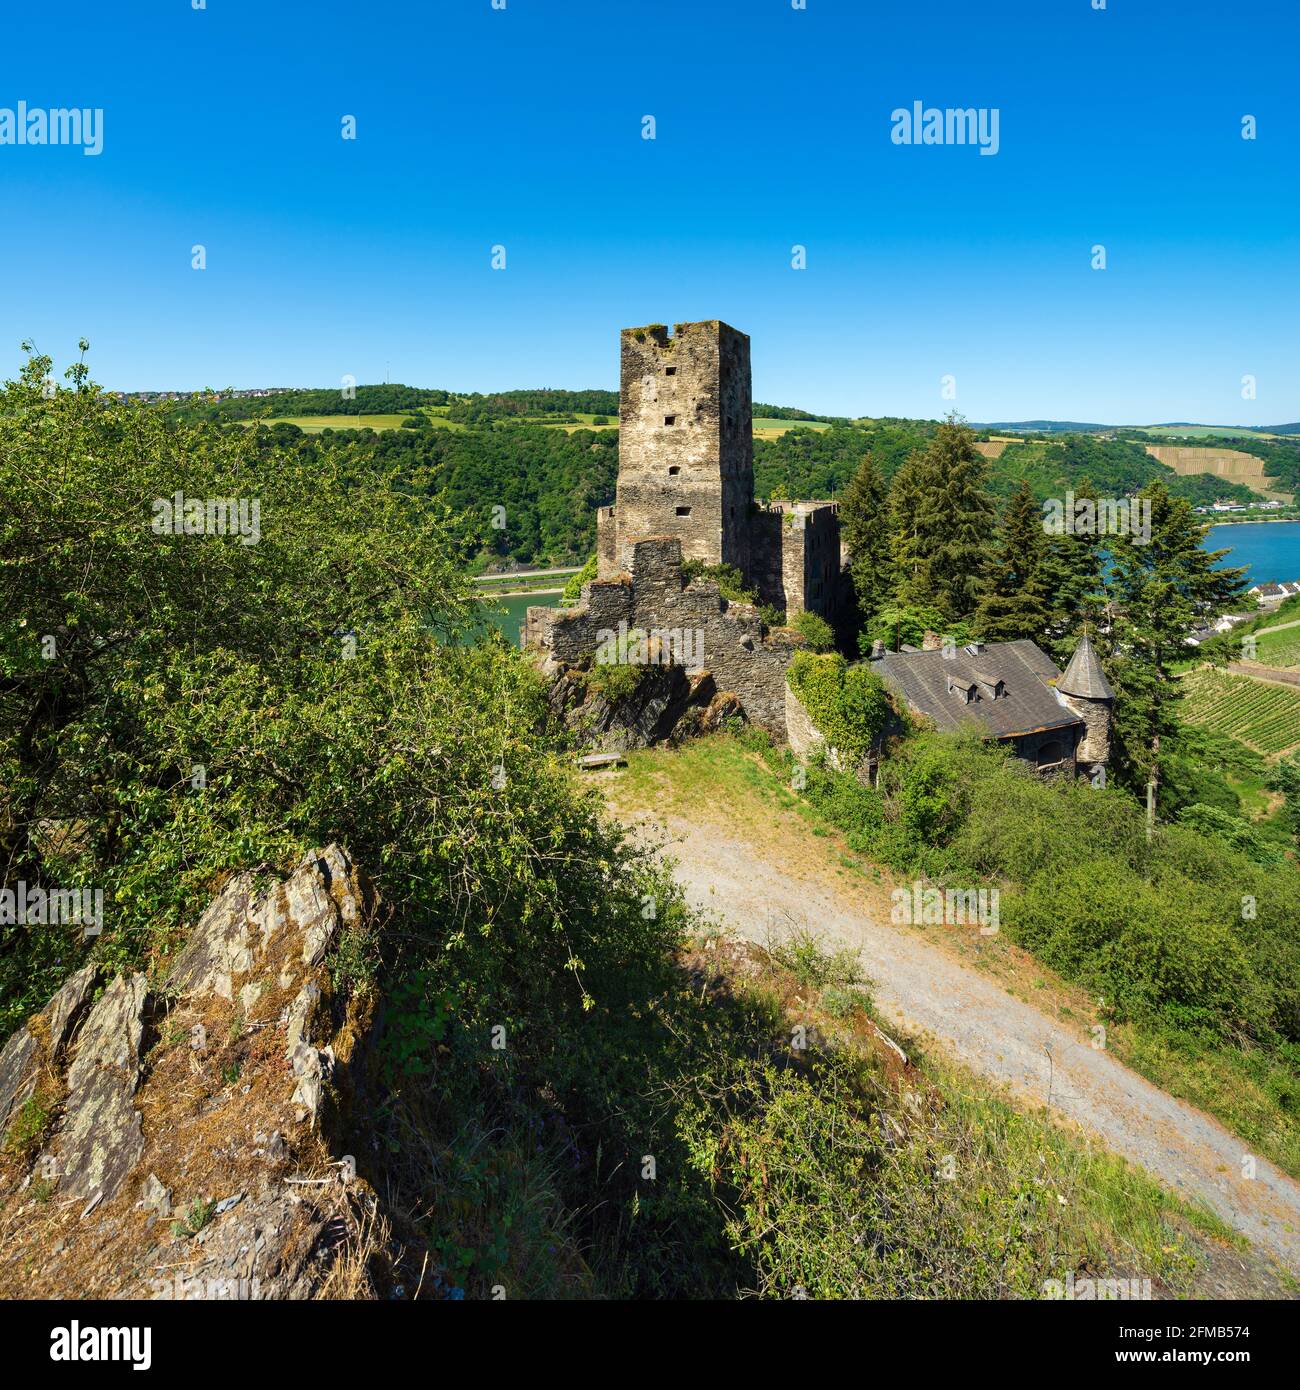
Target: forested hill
[[530, 467], [808, 463]]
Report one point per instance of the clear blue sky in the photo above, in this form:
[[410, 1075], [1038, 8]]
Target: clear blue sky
[[523, 127]]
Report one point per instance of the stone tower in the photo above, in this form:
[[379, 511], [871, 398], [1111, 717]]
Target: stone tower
[[1085, 689], [685, 446]]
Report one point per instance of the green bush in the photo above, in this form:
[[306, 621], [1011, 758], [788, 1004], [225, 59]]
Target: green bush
[[1187, 929], [573, 585], [814, 629], [848, 704]]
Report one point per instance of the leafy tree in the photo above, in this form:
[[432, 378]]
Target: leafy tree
[[814, 629], [898, 627]]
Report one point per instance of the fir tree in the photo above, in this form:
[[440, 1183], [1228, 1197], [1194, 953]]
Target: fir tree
[[1071, 572], [942, 521], [1016, 601], [1158, 591], [864, 528]]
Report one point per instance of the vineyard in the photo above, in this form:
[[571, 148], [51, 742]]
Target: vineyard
[[1265, 717], [1280, 649]]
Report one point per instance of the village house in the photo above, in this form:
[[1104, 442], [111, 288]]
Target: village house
[[1059, 723]]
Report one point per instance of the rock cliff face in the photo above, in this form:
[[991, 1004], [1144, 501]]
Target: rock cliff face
[[183, 1137], [666, 706]]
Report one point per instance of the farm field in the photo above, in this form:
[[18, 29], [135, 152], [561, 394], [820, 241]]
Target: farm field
[[773, 429], [1264, 717], [1281, 649], [314, 424], [1204, 431]]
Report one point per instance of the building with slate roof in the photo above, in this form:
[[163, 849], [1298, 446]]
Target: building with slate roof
[[1012, 692]]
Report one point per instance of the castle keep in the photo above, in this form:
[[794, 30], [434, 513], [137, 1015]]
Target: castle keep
[[686, 469], [686, 492]]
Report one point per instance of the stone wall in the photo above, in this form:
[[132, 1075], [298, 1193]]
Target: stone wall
[[803, 736], [606, 543], [1096, 716], [796, 556], [692, 620], [1029, 746], [569, 636]]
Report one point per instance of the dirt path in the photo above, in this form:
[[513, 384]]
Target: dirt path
[[1270, 675], [926, 991]]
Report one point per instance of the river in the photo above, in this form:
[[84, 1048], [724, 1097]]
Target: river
[[1270, 550]]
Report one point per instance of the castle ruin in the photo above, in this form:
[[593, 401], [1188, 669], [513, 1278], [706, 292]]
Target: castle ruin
[[685, 492]]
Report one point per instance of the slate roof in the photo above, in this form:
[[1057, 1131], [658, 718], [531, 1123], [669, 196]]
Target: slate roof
[[1084, 676], [1029, 702]]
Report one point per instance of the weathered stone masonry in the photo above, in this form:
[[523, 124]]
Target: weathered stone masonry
[[653, 597]]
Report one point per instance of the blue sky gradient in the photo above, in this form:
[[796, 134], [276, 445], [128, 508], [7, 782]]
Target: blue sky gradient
[[523, 127]]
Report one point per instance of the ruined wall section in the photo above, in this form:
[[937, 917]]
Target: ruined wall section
[[686, 453], [722, 638], [796, 557], [569, 636], [606, 543]]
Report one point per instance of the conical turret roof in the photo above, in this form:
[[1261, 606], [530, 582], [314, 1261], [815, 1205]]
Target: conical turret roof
[[1083, 676]]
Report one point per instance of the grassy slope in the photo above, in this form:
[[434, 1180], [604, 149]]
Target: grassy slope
[[718, 779]]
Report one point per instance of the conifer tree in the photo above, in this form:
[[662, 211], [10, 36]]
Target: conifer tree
[[1016, 601], [942, 522], [1072, 567], [864, 528], [1158, 590]]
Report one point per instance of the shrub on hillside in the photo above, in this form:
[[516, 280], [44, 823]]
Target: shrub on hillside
[[1182, 928], [814, 629], [848, 704]]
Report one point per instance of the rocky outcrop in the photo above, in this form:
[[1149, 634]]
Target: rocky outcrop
[[185, 1138], [665, 706]]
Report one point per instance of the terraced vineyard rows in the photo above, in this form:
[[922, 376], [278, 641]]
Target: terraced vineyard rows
[[1265, 717]]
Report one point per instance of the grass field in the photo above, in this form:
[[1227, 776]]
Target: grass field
[[314, 424], [1205, 432], [773, 429], [1264, 717]]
